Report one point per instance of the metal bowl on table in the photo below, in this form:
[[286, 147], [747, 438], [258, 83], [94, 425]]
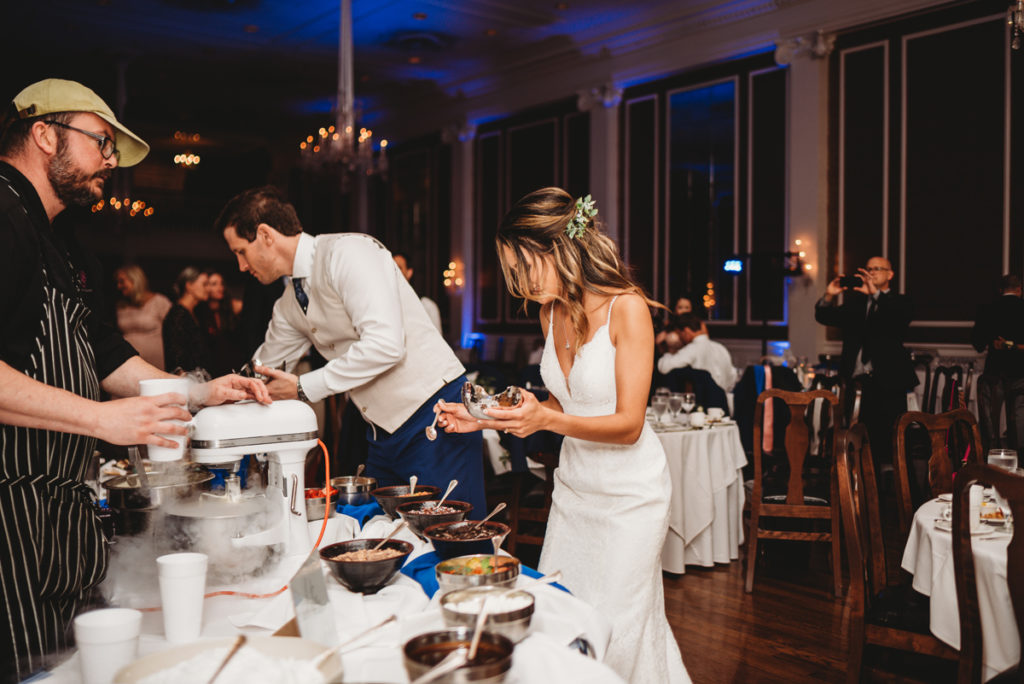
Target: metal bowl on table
[[478, 570], [133, 504], [508, 611], [492, 662], [315, 504], [354, 491]]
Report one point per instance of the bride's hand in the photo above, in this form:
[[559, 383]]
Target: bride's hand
[[455, 418], [520, 421]]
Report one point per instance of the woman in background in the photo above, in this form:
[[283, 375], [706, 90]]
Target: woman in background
[[185, 346], [610, 505], [140, 314], [218, 317]]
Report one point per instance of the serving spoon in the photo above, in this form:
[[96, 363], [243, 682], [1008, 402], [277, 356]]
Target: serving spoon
[[451, 485], [235, 648], [497, 509], [393, 532], [412, 484], [320, 659]]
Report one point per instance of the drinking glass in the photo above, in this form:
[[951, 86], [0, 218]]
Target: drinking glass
[[689, 401], [659, 404], [662, 392], [1003, 458], [675, 405]]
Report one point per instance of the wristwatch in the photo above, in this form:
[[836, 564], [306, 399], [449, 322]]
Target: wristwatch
[[298, 389]]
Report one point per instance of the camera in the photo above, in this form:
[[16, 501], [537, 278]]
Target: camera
[[850, 281]]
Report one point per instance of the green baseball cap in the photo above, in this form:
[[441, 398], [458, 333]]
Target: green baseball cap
[[54, 95]]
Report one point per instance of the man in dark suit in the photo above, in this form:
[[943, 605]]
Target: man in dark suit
[[999, 329], [874, 321]]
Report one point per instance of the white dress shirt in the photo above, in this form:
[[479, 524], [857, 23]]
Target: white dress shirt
[[366, 320], [703, 354]]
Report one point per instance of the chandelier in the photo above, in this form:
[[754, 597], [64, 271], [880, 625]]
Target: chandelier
[[1015, 19], [338, 145]]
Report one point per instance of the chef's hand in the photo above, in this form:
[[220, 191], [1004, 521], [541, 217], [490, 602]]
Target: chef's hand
[[229, 388], [525, 419], [142, 420], [281, 385], [455, 418]]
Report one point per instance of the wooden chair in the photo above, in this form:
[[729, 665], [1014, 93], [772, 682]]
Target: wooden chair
[[923, 360], [952, 437], [879, 615], [1011, 488], [956, 388], [535, 514], [796, 502]]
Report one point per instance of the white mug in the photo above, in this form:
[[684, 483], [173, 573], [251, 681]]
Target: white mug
[[716, 413], [697, 419]]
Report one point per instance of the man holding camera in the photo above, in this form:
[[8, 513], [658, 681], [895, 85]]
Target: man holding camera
[[874, 321]]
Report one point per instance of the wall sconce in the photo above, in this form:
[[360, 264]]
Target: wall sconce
[[453, 277], [795, 262]]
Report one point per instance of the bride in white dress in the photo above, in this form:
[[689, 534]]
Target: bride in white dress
[[609, 511]]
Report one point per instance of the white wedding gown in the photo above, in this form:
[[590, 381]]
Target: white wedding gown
[[609, 516]]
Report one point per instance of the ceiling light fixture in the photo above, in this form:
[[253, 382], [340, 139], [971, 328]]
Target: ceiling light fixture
[[338, 146], [1015, 19]]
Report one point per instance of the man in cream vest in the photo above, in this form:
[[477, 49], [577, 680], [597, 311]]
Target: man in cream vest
[[347, 298]]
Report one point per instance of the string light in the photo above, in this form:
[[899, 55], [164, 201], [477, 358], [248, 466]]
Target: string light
[[133, 209], [187, 160], [709, 296], [452, 276]]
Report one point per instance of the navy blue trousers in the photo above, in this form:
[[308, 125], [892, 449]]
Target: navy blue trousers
[[392, 458]]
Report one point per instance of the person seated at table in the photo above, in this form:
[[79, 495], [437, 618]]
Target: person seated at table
[[610, 504], [690, 345], [682, 305]]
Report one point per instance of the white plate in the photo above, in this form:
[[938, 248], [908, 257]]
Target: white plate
[[947, 526], [274, 647], [947, 497]]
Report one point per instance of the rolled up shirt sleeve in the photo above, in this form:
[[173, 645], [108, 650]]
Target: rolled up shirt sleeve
[[364, 276]]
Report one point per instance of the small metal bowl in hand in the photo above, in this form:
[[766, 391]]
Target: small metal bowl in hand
[[354, 491], [493, 656], [453, 539], [476, 399], [390, 497], [420, 515], [365, 576], [315, 504], [508, 611]]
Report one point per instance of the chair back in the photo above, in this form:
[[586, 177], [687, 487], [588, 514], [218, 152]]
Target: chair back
[[700, 382], [923, 360], [862, 522], [951, 380], [797, 440], [953, 439], [538, 515], [1011, 488]]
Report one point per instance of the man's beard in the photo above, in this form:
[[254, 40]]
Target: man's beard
[[72, 185]]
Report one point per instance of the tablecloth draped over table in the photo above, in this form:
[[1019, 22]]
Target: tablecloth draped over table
[[706, 511], [928, 556]]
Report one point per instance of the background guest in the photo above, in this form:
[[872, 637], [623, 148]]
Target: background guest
[[185, 346], [219, 320], [140, 314], [689, 345], [999, 330], [874, 322]]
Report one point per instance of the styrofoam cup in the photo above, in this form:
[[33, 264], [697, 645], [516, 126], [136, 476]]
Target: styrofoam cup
[[108, 639], [182, 579], [149, 388]]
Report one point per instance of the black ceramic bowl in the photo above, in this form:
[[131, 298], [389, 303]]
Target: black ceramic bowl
[[491, 535], [493, 656], [418, 516], [390, 497], [367, 577]]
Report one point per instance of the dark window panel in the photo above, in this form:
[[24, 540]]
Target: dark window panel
[[641, 189], [577, 153], [489, 281]]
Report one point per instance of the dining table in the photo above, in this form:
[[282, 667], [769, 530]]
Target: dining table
[[928, 556], [706, 509], [551, 652]]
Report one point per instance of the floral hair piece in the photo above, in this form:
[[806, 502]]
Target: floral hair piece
[[585, 210]]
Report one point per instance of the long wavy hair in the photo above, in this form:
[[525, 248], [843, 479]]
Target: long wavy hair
[[536, 225], [140, 285]]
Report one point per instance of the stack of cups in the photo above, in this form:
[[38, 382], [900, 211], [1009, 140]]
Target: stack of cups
[[108, 639], [149, 388], [182, 586]]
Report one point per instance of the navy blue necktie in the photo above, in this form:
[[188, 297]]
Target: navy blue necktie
[[300, 294]]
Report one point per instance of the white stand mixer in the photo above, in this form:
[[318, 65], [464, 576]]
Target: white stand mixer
[[281, 433]]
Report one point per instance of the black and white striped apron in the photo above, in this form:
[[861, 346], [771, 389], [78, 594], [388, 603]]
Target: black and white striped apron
[[53, 547]]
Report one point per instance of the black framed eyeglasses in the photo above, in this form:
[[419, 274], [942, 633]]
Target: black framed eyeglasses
[[107, 145]]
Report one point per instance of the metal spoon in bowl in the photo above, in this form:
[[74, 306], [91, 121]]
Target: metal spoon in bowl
[[360, 469], [385, 540], [412, 484], [497, 509], [322, 658], [451, 662], [451, 485], [481, 620]]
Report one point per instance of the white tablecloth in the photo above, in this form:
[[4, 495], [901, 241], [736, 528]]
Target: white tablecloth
[[543, 656], [706, 514], [929, 558]]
